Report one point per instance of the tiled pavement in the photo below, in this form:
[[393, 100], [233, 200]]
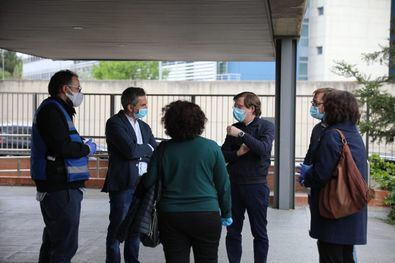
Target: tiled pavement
[[21, 227]]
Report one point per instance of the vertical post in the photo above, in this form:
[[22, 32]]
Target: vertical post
[[284, 191], [18, 168], [112, 104], [193, 98], [97, 166], [2, 61], [160, 70], [35, 104]]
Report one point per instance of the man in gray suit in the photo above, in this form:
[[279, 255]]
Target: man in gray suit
[[130, 145]]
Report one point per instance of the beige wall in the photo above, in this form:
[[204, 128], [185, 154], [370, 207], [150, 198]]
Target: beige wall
[[182, 87]]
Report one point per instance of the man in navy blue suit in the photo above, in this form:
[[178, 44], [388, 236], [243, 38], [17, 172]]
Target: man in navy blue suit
[[130, 145]]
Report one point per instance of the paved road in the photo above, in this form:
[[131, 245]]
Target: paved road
[[21, 227]]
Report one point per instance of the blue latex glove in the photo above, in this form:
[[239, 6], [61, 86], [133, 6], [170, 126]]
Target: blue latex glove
[[226, 221], [92, 147], [303, 170]]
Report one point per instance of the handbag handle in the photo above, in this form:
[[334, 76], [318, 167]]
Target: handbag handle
[[343, 138]]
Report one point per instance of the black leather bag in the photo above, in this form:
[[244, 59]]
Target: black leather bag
[[151, 237], [142, 217], [149, 228]]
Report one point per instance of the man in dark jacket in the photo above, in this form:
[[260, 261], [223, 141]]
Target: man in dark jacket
[[59, 167], [247, 149], [130, 145]]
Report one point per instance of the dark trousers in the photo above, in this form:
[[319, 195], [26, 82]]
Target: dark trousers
[[181, 231], [255, 199], [61, 213], [335, 253], [119, 206]]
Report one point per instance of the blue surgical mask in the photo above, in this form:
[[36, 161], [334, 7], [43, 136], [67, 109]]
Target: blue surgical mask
[[239, 114], [141, 113], [315, 113]]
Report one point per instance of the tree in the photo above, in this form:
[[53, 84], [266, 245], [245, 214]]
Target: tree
[[127, 70], [379, 122], [378, 105], [12, 65]]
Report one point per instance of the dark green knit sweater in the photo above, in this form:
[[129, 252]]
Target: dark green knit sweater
[[195, 177]]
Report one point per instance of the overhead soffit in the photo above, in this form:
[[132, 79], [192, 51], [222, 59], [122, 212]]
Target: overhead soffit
[[287, 17], [215, 30]]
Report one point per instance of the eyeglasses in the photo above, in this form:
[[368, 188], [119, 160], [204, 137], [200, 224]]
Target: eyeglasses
[[316, 103], [79, 88]]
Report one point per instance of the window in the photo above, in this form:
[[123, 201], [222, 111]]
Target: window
[[319, 50], [320, 10], [302, 68], [303, 59], [304, 42], [222, 67], [305, 30]]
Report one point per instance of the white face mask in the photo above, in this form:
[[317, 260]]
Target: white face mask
[[76, 98]]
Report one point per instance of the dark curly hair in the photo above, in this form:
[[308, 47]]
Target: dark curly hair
[[341, 106], [183, 120]]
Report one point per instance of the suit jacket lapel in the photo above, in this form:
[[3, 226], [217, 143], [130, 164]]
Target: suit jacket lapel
[[126, 122]]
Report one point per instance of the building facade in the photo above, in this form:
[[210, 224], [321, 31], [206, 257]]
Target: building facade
[[392, 42], [187, 70], [35, 68], [344, 30]]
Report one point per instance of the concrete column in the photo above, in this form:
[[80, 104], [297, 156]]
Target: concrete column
[[284, 183]]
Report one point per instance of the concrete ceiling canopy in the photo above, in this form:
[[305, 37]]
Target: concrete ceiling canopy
[[236, 30]]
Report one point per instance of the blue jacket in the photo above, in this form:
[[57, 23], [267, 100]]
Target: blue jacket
[[124, 152], [350, 230], [253, 166], [314, 142]]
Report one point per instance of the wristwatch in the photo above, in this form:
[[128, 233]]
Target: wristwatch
[[241, 134]]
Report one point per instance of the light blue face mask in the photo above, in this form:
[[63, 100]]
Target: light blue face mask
[[315, 113], [141, 113], [239, 114]]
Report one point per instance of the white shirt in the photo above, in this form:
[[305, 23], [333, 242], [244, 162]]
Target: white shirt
[[136, 127]]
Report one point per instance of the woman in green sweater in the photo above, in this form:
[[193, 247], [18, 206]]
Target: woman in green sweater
[[196, 190]]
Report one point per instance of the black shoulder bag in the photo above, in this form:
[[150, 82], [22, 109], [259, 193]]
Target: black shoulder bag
[[149, 229], [142, 216]]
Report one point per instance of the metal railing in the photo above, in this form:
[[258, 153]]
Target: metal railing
[[17, 109]]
